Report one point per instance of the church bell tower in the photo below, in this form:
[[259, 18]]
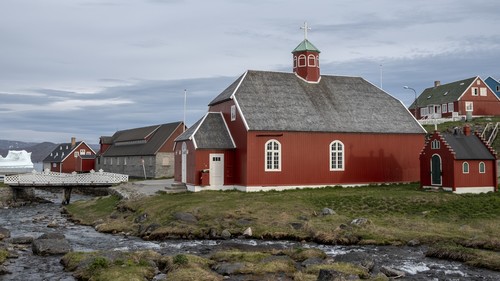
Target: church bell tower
[[306, 59]]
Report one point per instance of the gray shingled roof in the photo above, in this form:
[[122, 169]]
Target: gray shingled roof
[[210, 132], [60, 152], [443, 94], [274, 101], [468, 147], [141, 141]]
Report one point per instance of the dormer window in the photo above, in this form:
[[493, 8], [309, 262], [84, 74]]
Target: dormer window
[[435, 144]]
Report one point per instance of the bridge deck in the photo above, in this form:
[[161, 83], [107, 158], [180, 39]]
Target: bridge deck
[[47, 178]]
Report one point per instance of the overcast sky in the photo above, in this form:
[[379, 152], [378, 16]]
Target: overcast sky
[[87, 68]]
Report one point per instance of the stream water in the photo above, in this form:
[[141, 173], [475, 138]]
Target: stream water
[[32, 221]]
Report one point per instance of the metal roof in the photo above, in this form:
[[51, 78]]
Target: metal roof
[[210, 132], [141, 141], [306, 46], [275, 101], [61, 151], [443, 93], [468, 147]]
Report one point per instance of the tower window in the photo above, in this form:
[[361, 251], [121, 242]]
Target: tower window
[[311, 60], [294, 61], [302, 60]]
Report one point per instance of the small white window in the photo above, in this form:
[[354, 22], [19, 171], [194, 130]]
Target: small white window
[[82, 151], [76, 154], [111, 160], [104, 160], [498, 88], [233, 112], [165, 161], [117, 160], [302, 60], [478, 82], [483, 92], [482, 168], [444, 108], [311, 60], [475, 91], [54, 165], [450, 107], [294, 61], [273, 156], [435, 144], [465, 168], [469, 106]]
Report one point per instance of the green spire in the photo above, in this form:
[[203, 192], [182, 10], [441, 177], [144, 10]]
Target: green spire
[[306, 46]]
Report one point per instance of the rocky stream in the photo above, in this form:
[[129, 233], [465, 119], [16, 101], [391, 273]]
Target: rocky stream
[[33, 220]]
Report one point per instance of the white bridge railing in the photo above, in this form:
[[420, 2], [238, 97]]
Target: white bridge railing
[[47, 178]]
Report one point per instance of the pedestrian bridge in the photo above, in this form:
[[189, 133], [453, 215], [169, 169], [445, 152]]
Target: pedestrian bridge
[[63, 180]]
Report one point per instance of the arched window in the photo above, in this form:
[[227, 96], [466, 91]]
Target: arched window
[[273, 155], [317, 61], [482, 168], [435, 144], [302, 60], [311, 60], [336, 156], [294, 61], [465, 168]]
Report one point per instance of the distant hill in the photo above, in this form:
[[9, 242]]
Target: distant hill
[[13, 145]]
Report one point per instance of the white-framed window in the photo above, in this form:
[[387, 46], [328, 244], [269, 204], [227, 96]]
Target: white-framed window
[[482, 168], [273, 155], [117, 160], [294, 61], [444, 108], [82, 151], [104, 162], [302, 60], [498, 88], [110, 160], [423, 111], [469, 106], [435, 144], [233, 112], [478, 82], [475, 91], [77, 154], [483, 92], [450, 107], [54, 165], [125, 161], [465, 168], [311, 60], [337, 156]]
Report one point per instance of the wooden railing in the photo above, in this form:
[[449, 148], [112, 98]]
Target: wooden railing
[[47, 178]]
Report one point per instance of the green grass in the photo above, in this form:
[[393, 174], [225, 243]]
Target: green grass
[[3, 255]]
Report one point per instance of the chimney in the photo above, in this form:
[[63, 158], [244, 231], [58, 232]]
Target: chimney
[[467, 130], [73, 142], [437, 83]]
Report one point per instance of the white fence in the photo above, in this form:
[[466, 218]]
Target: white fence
[[47, 178]]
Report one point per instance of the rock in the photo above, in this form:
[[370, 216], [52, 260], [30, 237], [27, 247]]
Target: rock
[[3, 270], [53, 224], [244, 222], [247, 232], [4, 233], [48, 247], [226, 234], [185, 217], [141, 218], [145, 231], [328, 275], [312, 261], [213, 233], [296, 225], [50, 244], [391, 272], [413, 243], [327, 212], [21, 240], [360, 221], [228, 268]]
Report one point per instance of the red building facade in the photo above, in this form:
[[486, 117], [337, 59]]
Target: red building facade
[[70, 157], [271, 130], [460, 162]]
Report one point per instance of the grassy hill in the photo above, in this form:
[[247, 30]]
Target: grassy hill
[[476, 124]]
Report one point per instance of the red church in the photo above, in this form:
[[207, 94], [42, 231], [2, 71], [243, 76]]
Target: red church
[[274, 131], [460, 162]]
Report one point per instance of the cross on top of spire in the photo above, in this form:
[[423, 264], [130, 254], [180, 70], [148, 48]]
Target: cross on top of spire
[[306, 28]]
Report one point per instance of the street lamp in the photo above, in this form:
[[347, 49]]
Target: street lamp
[[416, 106]]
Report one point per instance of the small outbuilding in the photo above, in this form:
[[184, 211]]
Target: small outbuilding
[[70, 157], [459, 161]]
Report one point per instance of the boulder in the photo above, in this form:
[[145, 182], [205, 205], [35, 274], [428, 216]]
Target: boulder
[[227, 269], [328, 275], [185, 217], [360, 221], [50, 244], [4, 233], [312, 262], [391, 272], [247, 232], [226, 234], [3, 270], [414, 243], [21, 240], [327, 212]]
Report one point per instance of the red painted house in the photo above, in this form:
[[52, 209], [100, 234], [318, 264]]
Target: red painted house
[[460, 162], [70, 157], [274, 130], [469, 97]]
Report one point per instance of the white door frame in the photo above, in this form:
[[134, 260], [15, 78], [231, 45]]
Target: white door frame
[[184, 162], [216, 169]]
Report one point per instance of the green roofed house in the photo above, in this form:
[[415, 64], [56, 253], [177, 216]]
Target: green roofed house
[[464, 98]]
